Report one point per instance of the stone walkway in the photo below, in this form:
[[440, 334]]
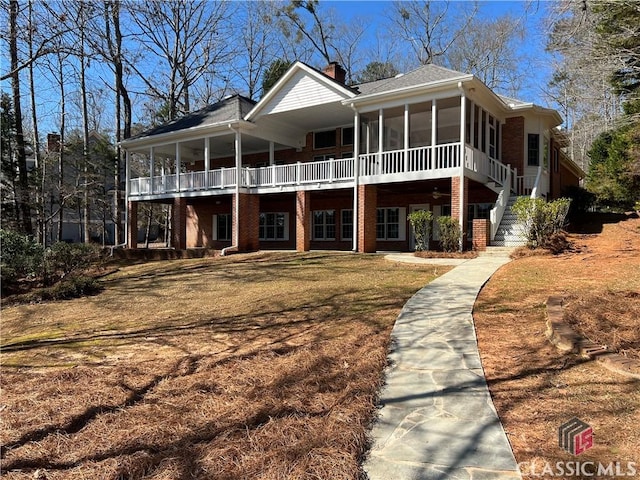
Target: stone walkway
[[437, 419]]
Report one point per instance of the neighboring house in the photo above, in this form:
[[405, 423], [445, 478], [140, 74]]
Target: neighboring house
[[281, 173], [100, 178]]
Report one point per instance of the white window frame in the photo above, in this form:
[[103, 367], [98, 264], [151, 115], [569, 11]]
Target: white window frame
[[275, 238], [402, 220], [323, 224]]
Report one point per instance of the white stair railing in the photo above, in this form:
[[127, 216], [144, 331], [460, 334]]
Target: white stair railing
[[497, 212]]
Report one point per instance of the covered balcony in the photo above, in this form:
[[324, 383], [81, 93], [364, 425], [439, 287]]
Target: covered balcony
[[431, 139]]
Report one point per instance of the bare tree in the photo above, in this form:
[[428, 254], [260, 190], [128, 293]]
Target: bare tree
[[22, 190], [258, 46], [580, 83], [431, 28], [189, 37], [489, 50], [318, 32]]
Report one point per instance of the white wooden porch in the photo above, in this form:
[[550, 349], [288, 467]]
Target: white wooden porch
[[422, 163]]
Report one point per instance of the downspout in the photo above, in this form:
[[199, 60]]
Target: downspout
[[356, 174], [126, 205], [236, 210]]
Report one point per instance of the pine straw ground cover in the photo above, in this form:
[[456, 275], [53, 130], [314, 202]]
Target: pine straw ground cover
[[535, 387], [262, 366]]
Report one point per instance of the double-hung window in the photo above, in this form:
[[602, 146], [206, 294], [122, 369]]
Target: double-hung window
[[390, 223], [274, 226], [324, 225]]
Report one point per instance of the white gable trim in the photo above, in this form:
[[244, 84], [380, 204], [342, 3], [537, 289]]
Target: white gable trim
[[294, 87]]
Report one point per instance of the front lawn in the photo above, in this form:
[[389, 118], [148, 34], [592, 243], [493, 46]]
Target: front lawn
[[253, 366], [535, 387]]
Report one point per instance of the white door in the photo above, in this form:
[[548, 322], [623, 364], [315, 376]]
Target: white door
[[415, 208]]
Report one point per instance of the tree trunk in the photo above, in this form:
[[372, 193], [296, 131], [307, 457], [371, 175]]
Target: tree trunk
[[86, 211], [22, 197], [63, 114], [40, 167]]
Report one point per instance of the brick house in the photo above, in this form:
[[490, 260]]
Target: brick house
[[282, 173]]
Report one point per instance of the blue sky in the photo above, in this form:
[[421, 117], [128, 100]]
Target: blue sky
[[535, 59]]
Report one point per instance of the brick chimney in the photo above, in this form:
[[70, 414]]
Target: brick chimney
[[53, 142], [335, 71]]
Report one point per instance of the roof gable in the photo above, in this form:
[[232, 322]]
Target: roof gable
[[300, 87]]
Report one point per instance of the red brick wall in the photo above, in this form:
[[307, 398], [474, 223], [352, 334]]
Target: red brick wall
[[132, 229], [179, 224], [481, 233], [249, 214], [513, 143], [303, 221], [200, 214], [455, 201], [367, 208]]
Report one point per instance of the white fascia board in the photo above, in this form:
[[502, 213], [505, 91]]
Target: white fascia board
[[344, 91], [201, 131], [405, 91]]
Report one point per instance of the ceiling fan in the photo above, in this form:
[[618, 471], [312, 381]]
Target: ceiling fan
[[436, 194]]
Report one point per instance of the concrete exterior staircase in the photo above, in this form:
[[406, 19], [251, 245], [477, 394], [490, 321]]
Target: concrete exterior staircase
[[510, 232]]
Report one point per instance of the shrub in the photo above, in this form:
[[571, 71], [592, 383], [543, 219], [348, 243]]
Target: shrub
[[64, 259], [450, 234], [20, 257], [421, 223], [541, 219]]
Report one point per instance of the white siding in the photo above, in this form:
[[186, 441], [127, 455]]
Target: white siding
[[300, 92]]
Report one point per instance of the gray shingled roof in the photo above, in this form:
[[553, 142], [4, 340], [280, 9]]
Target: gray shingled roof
[[511, 100], [419, 76], [230, 109]]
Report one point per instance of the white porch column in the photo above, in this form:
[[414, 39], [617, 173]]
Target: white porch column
[[152, 169], [406, 137], [463, 104], [472, 120], [356, 175], [207, 160], [238, 148], [127, 181], [272, 153], [380, 139], [434, 122], [177, 166], [486, 134]]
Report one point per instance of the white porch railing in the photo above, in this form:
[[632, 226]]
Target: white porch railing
[[434, 161], [417, 159]]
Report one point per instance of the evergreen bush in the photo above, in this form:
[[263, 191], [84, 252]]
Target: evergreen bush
[[420, 221]]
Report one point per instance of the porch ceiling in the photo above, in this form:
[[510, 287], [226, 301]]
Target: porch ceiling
[[318, 117]]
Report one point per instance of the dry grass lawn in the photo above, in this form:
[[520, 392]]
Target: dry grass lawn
[[535, 387], [262, 366]]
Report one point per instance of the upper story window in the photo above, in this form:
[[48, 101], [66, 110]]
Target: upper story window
[[324, 139], [347, 136], [533, 150]]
